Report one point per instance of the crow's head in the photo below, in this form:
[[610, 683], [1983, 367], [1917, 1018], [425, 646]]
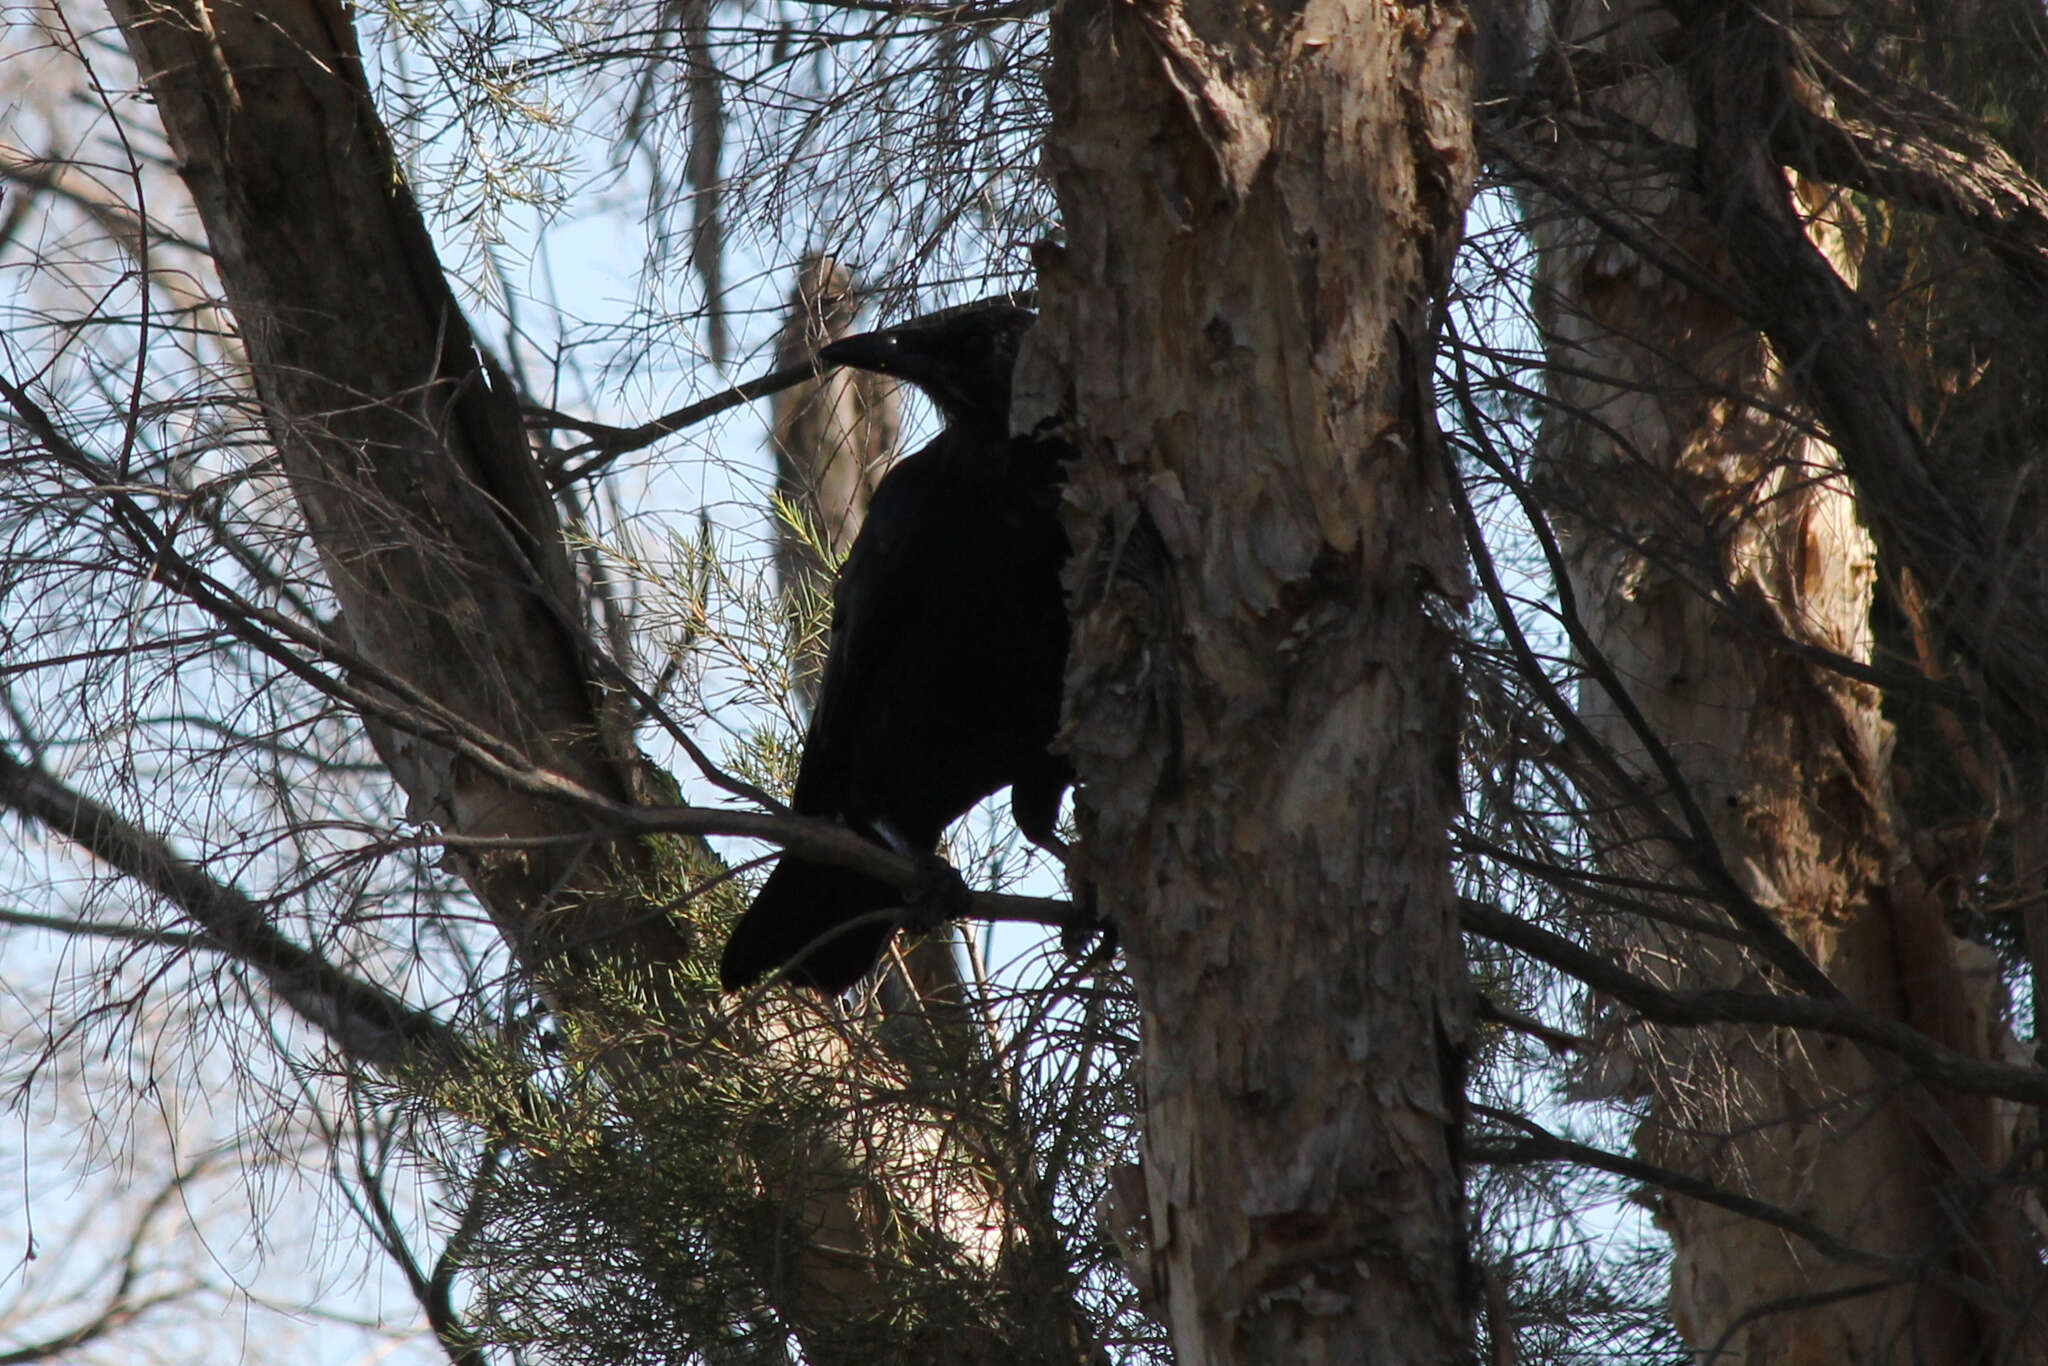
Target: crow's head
[[962, 360]]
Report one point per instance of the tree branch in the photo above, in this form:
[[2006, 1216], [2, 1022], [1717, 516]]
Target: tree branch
[[1927, 1058], [365, 1021], [1537, 1144]]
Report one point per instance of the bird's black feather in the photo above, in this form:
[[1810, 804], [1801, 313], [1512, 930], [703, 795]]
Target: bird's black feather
[[949, 638]]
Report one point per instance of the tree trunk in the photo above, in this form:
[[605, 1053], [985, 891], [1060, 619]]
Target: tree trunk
[[321, 250], [1257, 203], [1714, 540], [835, 437]]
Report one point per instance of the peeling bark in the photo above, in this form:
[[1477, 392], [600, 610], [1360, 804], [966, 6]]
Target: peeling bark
[[1712, 531], [1258, 202]]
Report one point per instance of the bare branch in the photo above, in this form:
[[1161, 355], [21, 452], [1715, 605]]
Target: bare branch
[[1928, 1059], [364, 1020]]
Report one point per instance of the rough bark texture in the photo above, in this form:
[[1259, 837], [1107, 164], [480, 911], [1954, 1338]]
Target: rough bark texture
[[407, 456], [441, 545], [1715, 531], [1258, 201]]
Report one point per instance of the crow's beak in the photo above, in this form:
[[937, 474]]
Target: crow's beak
[[882, 352]]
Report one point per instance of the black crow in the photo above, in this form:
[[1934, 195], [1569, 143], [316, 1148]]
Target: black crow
[[949, 638]]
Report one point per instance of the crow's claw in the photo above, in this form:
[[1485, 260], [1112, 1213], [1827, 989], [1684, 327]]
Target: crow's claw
[[940, 895], [1088, 923]]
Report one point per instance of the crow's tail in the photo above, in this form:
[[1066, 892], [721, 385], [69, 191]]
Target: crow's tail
[[827, 925]]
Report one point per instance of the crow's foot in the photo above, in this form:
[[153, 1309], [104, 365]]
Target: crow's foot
[[940, 895], [1088, 923]]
